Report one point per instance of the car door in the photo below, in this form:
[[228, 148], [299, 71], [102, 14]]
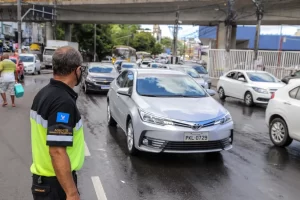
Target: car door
[[124, 101], [292, 109], [114, 97], [240, 87], [228, 83]]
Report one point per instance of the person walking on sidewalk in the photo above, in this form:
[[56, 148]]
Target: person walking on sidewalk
[[8, 78], [57, 137]]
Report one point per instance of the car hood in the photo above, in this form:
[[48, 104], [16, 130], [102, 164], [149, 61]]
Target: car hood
[[26, 64], [102, 75], [268, 85], [185, 109]]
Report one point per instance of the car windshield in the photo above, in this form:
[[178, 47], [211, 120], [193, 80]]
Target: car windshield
[[200, 69], [154, 65], [145, 63], [170, 85], [14, 60], [49, 52], [101, 69], [27, 59], [127, 66], [118, 62], [261, 77], [193, 73]]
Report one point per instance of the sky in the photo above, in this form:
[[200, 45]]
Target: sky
[[187, 29]]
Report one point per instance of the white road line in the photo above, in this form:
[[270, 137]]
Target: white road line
[[98, 188], [86, 150]]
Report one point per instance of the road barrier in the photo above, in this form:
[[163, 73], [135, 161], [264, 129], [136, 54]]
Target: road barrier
[[278, 63]]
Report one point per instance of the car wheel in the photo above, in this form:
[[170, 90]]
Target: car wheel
[[130, 139], [222, 93], [248, 99], [34, 73], [110, 120], [39, 72], [279, 133]]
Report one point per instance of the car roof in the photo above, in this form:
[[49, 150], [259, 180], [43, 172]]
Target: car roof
[[27, 54], [157, 71], [243, 70]]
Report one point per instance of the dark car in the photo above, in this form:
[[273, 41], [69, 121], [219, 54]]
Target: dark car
[[98, 76], [293, 75]]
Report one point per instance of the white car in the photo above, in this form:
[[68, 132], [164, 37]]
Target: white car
[[251, 86], [283, 114], [32, 63], [144, 63]]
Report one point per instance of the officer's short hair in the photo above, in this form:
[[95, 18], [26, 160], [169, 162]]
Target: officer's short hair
[[65, 60]]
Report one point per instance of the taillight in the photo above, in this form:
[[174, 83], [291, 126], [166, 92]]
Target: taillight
[[272, 95]]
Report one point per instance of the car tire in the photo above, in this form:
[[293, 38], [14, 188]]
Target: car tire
[[110, 120], [279, 133], [221, 92], [248, 99], [39, 72], [130, 139], [34, 73]]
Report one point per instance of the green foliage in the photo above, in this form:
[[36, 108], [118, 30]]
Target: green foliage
[[143, 41], [167, 42], [122, 34], [59, 32], [157, 49]]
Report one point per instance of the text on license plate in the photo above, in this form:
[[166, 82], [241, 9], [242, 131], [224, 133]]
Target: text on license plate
[[201, 136], [104, 87]]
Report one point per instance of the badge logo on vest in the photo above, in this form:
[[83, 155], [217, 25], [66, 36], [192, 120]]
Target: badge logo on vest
[[62, 117]]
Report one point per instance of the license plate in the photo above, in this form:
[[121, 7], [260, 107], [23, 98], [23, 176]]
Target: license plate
[[105, 87], [192, 137]]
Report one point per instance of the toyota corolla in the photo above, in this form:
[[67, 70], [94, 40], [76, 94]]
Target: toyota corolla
[[167, 111]]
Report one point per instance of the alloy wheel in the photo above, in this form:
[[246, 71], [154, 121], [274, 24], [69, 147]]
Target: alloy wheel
[[130, 137], [278, 132]]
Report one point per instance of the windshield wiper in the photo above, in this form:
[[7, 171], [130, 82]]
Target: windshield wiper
[[149, 95]]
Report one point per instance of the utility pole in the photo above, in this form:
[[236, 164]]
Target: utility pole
[[259, 16], [175, 37], [229, 22], [95, 40], [19, 10]]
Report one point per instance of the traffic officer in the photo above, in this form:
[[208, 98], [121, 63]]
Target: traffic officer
[[56, 131]]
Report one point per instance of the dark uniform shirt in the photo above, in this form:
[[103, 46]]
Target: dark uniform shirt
[[55, 121]]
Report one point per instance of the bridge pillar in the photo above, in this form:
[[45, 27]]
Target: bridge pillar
[[68, 32], [221, 36], [49, 31]]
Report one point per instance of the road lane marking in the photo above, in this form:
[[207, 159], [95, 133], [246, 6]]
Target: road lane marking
[[86, 150], [98, 188]]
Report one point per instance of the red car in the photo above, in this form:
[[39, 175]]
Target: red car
[[20, 67]]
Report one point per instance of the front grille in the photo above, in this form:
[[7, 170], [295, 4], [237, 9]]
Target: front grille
[[263, 99], [103, 79], [103, 83], [207, 124], [273, 90], [194, 146]]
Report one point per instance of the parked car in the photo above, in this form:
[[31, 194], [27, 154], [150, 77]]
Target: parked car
[[20, 67], [127, 65], [98, 77], [191, 72], [294, 75], [254, 87], [283, 114], [202, 72], [167, 111], [31, 62], [144, 63]]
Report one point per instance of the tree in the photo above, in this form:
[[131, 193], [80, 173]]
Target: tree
[[59, 32], [157, 49], [122, 34], [143, 41], [167, 42]]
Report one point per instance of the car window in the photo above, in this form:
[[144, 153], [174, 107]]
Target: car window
[[27, 59], [231, 75], [121, 79], [129, 79], [261, 77], [240, 75], [294, 92], [101, 69], [200, 69], [128, 65], [297, 74]]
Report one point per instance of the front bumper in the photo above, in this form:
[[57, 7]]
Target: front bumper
[[261, 98], [93, 86], [29, 70], [170, 139]]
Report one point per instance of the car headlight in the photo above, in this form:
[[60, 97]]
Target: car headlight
[[150, 118], [260, 90], [90, 79], [227, 118]]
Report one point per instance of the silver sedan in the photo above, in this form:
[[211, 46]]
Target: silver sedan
[[167, 111]]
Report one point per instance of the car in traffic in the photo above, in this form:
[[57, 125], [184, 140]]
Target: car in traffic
[[154, 65], [126, 65], [31, 62], [191, 72], [167, 111], [144, 63], [283, 114], [20, 67], [202, 72], [254, 87], [98, 76], [294, 75]]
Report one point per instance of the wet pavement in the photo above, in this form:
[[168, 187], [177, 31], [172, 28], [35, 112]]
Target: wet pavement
[[253, 169]]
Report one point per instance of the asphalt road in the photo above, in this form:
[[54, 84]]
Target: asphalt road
[[253, 169]]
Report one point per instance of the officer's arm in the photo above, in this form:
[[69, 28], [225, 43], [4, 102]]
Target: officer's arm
[[59, 136]]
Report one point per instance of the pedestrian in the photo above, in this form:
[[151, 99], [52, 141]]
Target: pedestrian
[[8, 73], [57, 131]]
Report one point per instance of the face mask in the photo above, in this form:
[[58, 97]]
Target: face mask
[[78, 78]]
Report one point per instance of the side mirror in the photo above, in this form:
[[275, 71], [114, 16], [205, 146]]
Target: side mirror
[[124, 91], [241, 79], [211, 92]]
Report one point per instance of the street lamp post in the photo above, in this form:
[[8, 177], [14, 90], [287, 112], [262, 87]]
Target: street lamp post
[[19, 7]]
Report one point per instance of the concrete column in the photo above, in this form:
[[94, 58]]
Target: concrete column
[[49, 31], [233, 37], [221, 36], [68, 32]]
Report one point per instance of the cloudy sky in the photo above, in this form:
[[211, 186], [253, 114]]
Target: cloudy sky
[[186, 30]]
